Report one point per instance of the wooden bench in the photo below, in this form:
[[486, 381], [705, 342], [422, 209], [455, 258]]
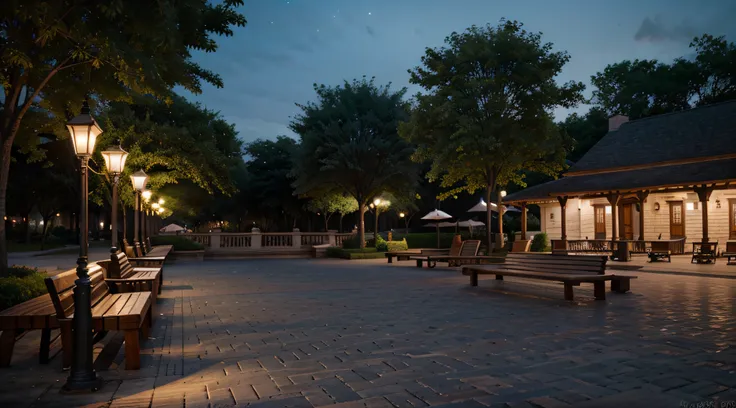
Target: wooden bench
[[158, 250], [145, 260], [730, 252], [134, 278], [521, 245], [468, 255], [660, 250], [127, 312], [704, 252], [571, 270], [401, 255], [35, 314]]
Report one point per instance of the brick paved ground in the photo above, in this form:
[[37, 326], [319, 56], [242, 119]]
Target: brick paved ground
[[309, 333]]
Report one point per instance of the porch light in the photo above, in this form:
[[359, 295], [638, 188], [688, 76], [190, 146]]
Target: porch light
[[139, 179], [608, 209], [84, 130], [690, 206], [656, 206]]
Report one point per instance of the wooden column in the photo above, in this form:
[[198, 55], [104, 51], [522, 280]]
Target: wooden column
[[613, 200], [641, 196], [523, 220], [563, 217], [703, 196]]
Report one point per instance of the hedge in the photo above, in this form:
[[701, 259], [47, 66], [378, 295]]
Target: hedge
[[179, 243], [20, 284], [366, 253], [429, 239]]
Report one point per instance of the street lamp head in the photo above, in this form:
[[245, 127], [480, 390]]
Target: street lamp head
[[139, 179], [84, 131], [503, 193], [146, 194], [161, 201], [155, 206], [115, 159], [402, 215], [377, 201], [371, 205], [161, 210]]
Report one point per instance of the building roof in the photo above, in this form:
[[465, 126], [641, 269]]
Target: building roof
[[706, 131], [706, 172]]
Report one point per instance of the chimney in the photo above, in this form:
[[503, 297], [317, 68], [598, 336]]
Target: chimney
[[615, 122]]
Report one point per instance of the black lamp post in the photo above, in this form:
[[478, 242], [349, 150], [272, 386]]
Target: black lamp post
[[139, 180], [82, 377], [115, 162]]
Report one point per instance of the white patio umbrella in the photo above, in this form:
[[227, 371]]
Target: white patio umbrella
[[437, 215], [481, 207], [470, 223], [172, 228]]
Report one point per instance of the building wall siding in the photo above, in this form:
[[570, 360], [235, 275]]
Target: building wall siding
[[580, 222]]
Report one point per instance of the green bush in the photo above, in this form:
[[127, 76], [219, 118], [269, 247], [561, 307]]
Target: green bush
[[20, 284], [180, 243], [381, 245], [540, 243], [365, 253], [392, 246], [429, 239], [351, 243]]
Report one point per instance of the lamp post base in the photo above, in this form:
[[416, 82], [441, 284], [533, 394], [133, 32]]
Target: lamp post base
[[81, 386]]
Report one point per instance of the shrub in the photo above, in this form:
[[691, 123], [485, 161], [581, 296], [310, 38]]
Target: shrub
[[429, 239], [540, 243], [392, 246], [180, 243], [381, 245], [365, 253], [21, 284], [351, 243]]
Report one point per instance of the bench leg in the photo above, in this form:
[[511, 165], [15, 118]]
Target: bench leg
[[7, 343], [390, 259], [474, 279], [568, 291], [431, 264], [499, 277], [599, 290], [419, 263], [132, 350], [43, 352], [621, 285]]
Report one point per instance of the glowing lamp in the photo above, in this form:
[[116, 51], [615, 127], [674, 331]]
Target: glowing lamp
[[139, 179], [146, 194], [115, 159], [84, 130]]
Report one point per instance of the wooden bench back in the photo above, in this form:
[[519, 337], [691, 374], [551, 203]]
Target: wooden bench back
[[470, 248], [61, 289], [521, 245], [731, 246], [456, 246], [660, 246], [120, 267], [558, 264], [128, 249]]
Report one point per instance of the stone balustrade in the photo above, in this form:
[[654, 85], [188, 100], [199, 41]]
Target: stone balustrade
[[265, 242]]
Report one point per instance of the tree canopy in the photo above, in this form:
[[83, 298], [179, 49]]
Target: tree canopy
[[53, 54], [486, 111], [349, 143]]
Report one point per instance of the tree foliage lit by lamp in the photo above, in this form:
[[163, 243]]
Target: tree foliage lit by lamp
[[82, 377], [115, 158]]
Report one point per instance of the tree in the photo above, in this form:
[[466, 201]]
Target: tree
[[405, 205], [486, 113], [584, 131], [54, 53], [647, 87], [329, 204], [271, 195], [350, 144]]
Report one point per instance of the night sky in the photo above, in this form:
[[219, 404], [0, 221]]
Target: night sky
[[289, 45]]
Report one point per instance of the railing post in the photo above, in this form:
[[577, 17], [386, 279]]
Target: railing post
[[255, 238], [331, 240], [215, 242], [296, 238]]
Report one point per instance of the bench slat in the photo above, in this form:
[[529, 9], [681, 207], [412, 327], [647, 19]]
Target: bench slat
[[551, 268]]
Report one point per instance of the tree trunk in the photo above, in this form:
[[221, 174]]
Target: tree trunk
[[375, 227], [489, 233], [361, 224], [45, 231], [501, 242], [4, 173], [27, 226], [340, 229]]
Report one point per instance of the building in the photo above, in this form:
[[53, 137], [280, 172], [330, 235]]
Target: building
[[670, 176]]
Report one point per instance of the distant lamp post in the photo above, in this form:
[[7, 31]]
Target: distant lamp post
[[139, 180], [115, 158], [402, 215], [82, 377], [161, 201], [146, 194]]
